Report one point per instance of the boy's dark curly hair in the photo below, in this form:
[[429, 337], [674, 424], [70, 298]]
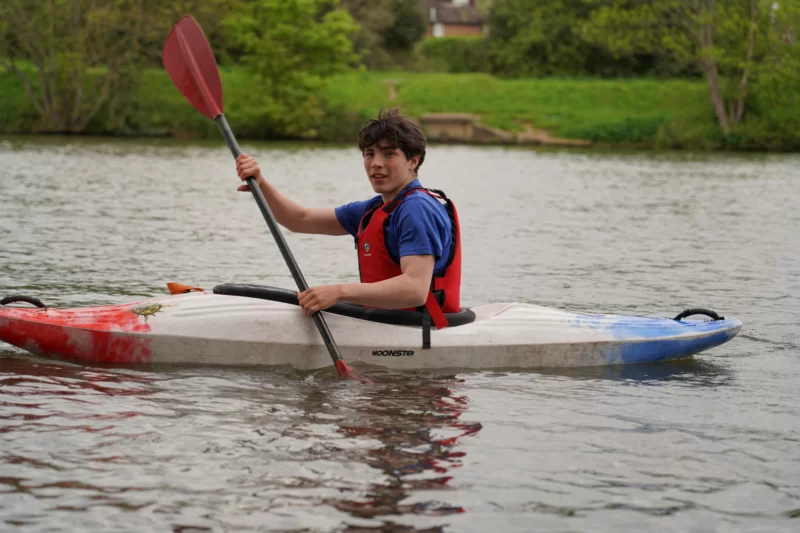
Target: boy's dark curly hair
[[391, 130]]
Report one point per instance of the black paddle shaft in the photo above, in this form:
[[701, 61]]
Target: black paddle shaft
[[322, 326]]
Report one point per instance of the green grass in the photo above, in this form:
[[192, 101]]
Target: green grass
[[578, 108], [650, 112], [17, 113]]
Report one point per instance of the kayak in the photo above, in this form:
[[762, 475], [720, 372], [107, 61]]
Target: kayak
[[239, 324]]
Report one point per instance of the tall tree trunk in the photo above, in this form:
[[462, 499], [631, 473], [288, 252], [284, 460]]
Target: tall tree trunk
[[736, 118], [709, 65], [717, 100]]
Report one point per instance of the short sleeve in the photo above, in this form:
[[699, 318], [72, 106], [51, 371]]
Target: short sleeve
[[349, 215], [422, 227]]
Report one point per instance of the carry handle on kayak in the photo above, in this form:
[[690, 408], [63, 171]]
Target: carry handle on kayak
[[699, 311], [188, 58], [14, 298]]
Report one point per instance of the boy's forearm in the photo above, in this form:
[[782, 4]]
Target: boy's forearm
[[399, 292], [287, 212]]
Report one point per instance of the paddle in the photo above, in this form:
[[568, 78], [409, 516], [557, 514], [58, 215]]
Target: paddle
[[188, 58]]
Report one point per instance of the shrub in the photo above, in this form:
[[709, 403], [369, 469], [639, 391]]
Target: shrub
[[458, 54], [340, 123], [625, 130]]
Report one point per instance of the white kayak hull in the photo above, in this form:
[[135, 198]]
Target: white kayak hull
[[215, 329]]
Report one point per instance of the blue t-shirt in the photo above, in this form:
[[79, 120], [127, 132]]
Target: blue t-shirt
[[418, 226]]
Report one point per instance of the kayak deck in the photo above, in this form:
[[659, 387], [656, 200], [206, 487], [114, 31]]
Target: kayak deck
[[218, 329]]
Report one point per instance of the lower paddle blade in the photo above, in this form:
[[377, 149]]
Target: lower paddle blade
[[188, 58], [343, 370]]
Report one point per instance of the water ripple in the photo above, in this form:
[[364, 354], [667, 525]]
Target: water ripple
[[709, 444]]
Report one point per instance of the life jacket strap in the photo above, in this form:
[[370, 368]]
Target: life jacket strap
[[426, 329], [435, 310]]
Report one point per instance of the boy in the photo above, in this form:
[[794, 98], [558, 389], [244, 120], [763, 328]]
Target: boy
[[408, 242]]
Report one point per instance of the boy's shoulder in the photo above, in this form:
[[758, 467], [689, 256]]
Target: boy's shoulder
[[422, 197], [421, 202]]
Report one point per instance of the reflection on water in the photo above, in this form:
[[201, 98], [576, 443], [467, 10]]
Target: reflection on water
[[418, 423], [53, 417], [691, 371], [403, 431]]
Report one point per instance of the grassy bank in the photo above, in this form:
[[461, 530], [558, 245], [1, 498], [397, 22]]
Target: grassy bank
[[660, 113], [615, 111]]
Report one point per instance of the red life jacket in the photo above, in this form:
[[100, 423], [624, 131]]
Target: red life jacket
[[376, 264]]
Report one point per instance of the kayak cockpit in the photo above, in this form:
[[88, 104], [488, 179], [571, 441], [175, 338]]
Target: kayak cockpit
[[383, 316]]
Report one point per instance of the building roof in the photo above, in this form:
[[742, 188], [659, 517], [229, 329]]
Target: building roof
[[447, 13]]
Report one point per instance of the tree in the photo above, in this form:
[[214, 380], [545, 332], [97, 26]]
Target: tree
[[546, 37], [535, 37], [78, 57], [210, 14], [483, 6], [374, 18], [53, 45], [389, 29], [408, 27], [773, 106], [727, 40], [292, 46]]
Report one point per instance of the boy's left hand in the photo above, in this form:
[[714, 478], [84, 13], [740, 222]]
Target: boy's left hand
[[319, 298]]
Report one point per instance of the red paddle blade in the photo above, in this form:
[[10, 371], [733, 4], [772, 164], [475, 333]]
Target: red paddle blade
[[188, 58], [344, 370]]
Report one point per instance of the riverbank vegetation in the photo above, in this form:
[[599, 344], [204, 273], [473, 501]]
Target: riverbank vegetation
[[665, 73]]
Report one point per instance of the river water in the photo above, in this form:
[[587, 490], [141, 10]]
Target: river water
[[709, 444]]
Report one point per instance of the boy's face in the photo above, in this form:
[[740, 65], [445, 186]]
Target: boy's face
[[388, 169]]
